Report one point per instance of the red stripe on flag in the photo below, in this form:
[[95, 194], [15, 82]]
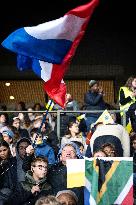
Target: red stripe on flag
[[128, 200], [84, 11]]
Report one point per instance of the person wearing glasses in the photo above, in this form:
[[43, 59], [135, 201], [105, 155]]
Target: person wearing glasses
[[34, 186]]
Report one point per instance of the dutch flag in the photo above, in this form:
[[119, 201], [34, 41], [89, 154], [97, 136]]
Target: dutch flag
[[49, 47]]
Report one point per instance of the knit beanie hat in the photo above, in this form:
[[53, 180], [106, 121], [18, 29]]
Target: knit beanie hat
[[92, 82]]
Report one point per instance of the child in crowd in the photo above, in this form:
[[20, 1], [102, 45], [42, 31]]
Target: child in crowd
[[39, 147]]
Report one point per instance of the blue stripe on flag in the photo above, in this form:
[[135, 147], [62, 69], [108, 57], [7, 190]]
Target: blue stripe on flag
[[86, 196], [50, 50], [36, 67], [23, 62]]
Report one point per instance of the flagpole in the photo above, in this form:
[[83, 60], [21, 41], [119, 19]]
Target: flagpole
[[43, 121], [44, 117]]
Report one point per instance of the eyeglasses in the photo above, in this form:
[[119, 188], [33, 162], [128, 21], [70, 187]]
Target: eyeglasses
[[42, 167]]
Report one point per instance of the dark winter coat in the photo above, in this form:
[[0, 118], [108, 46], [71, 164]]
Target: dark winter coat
[[23, 195], [94, 101]]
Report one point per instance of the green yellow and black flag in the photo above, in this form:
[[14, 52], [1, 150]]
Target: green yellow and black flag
[[108, 181]]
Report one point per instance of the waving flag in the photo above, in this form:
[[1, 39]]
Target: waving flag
[[49, 47], [107, 181]]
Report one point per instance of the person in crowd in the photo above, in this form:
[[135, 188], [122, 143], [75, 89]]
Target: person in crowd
[[39, 148], [48, 200], [57, 174], [51, 137], [22, 132], [80, 146], [8, 136], [37, 107], [3, 120], [99, 153], [133, 144], [38, 120], [67, 197], [20, 106], [8, 171], [73, 134], [34, 186], [70, 103], [109, 149], [114, 134], [93, 100], [127, 100], [31, 115], [3, 107], [21, 146]]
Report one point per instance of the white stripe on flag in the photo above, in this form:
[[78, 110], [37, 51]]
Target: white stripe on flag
[[76, 165], [125, 191], [66, 27], [88, 186], [46, 70]]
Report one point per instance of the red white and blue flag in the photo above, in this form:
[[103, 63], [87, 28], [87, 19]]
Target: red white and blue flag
[[49, 47]]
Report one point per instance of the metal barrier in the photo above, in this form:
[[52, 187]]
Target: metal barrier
[[59, 112]]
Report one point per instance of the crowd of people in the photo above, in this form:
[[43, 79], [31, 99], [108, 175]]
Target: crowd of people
[[33, 158]]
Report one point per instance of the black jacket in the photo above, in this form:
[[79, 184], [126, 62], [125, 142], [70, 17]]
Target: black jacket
[[57, 177], [94, 101], [23, 195]]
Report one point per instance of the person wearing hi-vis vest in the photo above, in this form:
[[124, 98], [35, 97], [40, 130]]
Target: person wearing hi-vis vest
[[127, 102]]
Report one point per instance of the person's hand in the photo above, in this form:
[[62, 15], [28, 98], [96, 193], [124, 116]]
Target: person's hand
[[29, 150], [100, 90], [35, 189]]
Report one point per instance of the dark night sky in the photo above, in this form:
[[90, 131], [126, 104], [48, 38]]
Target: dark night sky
[[110, 16]]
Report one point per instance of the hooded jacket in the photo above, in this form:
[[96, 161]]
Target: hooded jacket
[[20, 171]]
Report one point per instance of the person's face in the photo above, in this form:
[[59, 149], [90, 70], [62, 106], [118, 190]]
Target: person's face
[[134, 144], [68, 97], [19, 106], [81, 148], [109, 151], [95, 88], [37, 138], [74, 128], [4, 152], [2, 118], [134, 83], [39, 170], [99, 154], [22, 149], [37, 107], [7, 138], [30, 113], [37, 123], [66, 199], [68, 152], [16, 123]]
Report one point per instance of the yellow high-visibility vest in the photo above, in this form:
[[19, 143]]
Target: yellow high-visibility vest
[[127, 93]]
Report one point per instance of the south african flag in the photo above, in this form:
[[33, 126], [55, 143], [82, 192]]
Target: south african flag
[[109, 182]]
